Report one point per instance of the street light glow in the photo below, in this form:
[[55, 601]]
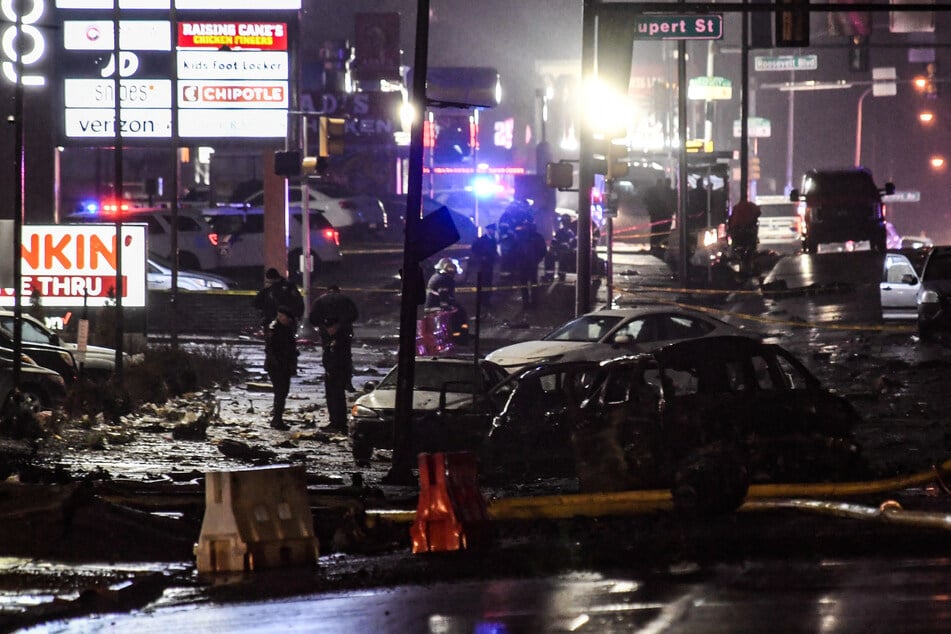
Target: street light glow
[[608, 111], [937, 162], [926, 116]]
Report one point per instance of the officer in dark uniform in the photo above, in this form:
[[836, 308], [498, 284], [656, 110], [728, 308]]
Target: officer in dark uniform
[[280, 360], [333, 315]]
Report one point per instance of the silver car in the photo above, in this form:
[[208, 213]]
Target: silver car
[[606, 334]]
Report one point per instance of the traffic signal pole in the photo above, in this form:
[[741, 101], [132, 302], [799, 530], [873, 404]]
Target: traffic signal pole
[[401, 468], [585, 168]]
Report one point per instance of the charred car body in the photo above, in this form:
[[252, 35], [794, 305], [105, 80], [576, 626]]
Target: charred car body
[[715, 413]]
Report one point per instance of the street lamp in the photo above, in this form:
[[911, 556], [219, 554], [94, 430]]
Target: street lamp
[[926, 117], [937, 162], [858, 127]]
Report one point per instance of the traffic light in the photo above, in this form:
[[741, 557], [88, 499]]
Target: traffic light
[[559, 175], [331, 132], [617, 161], [291, 163], [931, 80], [858, 54], [287, 164], [754, 172]]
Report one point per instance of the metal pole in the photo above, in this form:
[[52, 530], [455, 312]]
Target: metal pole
[[307, 261], [118, 186], [586, 173], [401, 468], [609, 266], [790, 137], [18, 207], [176, 184], [682, 166], [858, 127], [745, 108]]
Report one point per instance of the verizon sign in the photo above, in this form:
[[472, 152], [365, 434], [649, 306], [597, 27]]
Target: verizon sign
[[72, 264], [226, 78]]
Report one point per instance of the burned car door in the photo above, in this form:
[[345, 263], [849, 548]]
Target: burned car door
[[532, 433]]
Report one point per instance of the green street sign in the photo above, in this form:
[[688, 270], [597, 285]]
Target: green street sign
[[709, 88], [785, 62], [706, 26]]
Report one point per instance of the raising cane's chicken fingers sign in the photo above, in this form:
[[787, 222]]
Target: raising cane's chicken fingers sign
[[73, 264]]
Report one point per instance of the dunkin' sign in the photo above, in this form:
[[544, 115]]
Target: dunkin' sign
[[75, 265]]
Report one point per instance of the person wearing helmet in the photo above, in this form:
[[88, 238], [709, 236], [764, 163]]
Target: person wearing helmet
[[562, 250], [441, 289]]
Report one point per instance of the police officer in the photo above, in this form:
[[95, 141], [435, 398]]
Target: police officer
[[280, 360], [277, 291], [333, 315], [485, 252]]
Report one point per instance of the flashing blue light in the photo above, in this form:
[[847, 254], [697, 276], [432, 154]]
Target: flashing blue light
[[90, 206], [485, 187]]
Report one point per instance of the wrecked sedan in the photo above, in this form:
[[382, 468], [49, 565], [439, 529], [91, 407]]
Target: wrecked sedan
[[659, 419], [440, 385], [606, 334]]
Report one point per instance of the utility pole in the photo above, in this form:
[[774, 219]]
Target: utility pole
[[402, 466], [585, 168]]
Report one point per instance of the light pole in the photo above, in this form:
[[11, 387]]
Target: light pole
[[858, 127]]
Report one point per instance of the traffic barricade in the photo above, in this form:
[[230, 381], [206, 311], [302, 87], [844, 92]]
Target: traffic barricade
[[451, 513]]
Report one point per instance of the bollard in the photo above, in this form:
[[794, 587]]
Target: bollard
[[256, 519]]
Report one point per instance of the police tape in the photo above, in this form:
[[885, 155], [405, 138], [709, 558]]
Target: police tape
[[761, 319]]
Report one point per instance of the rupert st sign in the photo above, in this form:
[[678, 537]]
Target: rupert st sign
[[75, 265], [706, 26]]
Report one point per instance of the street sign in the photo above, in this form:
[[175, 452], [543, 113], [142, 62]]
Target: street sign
[[709, 88], [785, 62], [756, 128], [706, 26], [884, 82], [909, 196]]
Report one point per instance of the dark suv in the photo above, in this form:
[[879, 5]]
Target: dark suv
[[841, 205]]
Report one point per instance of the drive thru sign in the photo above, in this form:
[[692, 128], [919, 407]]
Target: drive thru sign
[[678, 27]]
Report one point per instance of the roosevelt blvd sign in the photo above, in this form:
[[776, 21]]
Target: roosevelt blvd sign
[[786, 62], [678, 27]]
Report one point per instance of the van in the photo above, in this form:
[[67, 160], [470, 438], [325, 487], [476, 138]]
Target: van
[[841, 205], [778, 224], [240, 235]]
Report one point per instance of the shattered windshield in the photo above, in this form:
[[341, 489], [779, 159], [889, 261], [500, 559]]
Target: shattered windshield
[[589, 328]]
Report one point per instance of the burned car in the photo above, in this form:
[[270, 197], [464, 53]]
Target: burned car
[[441, 386], [712, 413]]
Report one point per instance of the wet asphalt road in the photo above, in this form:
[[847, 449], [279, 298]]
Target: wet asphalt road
[[836, 332]]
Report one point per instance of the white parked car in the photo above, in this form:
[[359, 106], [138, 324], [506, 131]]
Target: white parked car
[[240, 236], [899, 288], [343, 210], [159, 277], [197, 248], [606, 334], [97, 360]]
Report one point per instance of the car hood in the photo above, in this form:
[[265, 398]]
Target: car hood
[[94, 353], [528, 352], [385, 399]]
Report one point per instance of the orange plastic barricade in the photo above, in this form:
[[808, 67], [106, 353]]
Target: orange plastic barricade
[[451, 513]]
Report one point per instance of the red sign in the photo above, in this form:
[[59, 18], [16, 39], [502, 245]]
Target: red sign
[[258, 36], [234, 93]]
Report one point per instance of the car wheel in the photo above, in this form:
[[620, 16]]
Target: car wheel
[[27, 401], [713, 479], [362, 451], [188, 260]]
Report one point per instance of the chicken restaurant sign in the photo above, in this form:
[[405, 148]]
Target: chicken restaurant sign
[[75, 265], [222, 69]]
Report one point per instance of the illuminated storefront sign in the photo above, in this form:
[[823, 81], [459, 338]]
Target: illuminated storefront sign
[[100, 93], [72, 264], [33, 45], [228, 79], [258, 36], [244, 94]]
